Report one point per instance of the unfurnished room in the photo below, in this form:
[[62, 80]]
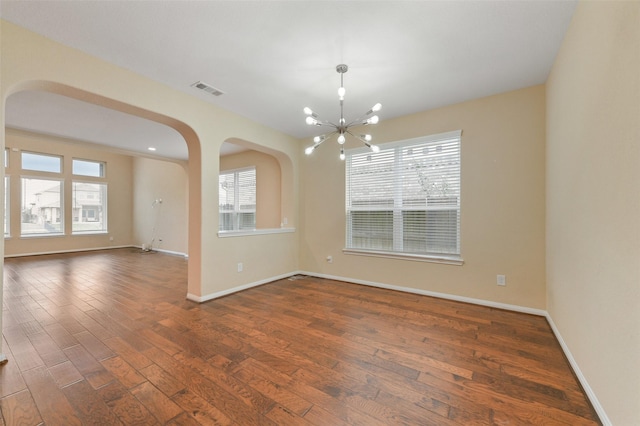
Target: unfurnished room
[[320, 212]]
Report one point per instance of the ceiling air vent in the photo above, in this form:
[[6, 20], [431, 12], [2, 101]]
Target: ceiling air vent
[[207, 88]]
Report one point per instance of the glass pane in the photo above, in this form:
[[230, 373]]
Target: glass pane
[[6, 205], [247, 190], [442, 231], [41, 162], [89, 207], [41, 207], [237, 200], [88, 168], [226, 192], [226, 221], [414, 231], [371, 230], [247, 221], [370, 179]]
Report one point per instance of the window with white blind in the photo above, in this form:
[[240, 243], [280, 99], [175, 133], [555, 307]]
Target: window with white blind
[[237, 200], [405, 199]]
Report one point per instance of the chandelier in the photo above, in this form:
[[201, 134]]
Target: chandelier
[[342, 128]]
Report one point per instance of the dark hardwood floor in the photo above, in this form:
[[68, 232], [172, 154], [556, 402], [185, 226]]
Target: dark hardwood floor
[[108, 338]]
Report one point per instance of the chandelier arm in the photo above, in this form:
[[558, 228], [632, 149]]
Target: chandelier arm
[[327, 136], [359, 138], [367, 143], [360, 119], [330, 124]]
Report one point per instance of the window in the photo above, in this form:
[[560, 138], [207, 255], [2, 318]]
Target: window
[[237, 200], [89, 202], [405, 199], [88, 168], [6, 205], [41, 162], [41, 208]]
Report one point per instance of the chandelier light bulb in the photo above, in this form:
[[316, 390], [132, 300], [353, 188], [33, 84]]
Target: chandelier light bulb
[[375, 148], [342, 156], [376, 107], [341, 138], [309, 150], [311, 121], [366, 137], [318, 139], [372, 120], [308, 111], [341, 93]]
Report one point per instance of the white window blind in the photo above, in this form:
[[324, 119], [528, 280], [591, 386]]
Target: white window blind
[[237, 200], [405, 198]]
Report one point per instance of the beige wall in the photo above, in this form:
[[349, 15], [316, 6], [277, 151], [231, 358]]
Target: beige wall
[[593, 201], [165, 223], [30, 61], [502, 202], [119, 206], [267, 184]]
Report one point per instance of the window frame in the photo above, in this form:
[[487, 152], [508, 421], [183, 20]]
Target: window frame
[[61, 232], [396, 206]]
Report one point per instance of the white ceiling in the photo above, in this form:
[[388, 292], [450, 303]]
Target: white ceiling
[[272, 58]]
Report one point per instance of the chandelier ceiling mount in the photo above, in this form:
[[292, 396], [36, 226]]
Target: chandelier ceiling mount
[[342, 128]]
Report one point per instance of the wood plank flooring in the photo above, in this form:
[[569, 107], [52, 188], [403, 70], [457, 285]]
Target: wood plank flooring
[[108, 338]]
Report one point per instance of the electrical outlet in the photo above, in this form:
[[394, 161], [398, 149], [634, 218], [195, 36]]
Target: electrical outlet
[[330, 259], [240, 266], [501, 280]]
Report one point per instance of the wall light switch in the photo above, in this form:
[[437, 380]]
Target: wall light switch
[[239, 266], [502, 280]]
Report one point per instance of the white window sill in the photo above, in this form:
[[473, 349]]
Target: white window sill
[[89, 233], [245, 233], [30, 236], [446, 260]]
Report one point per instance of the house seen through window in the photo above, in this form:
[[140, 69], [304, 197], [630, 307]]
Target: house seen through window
[[41, 208], [89, 200]]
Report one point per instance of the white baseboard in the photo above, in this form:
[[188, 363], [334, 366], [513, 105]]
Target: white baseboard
[[211, 296], [576, 369], [175, 253], [482, 302], [516, 308], [40, 253]]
